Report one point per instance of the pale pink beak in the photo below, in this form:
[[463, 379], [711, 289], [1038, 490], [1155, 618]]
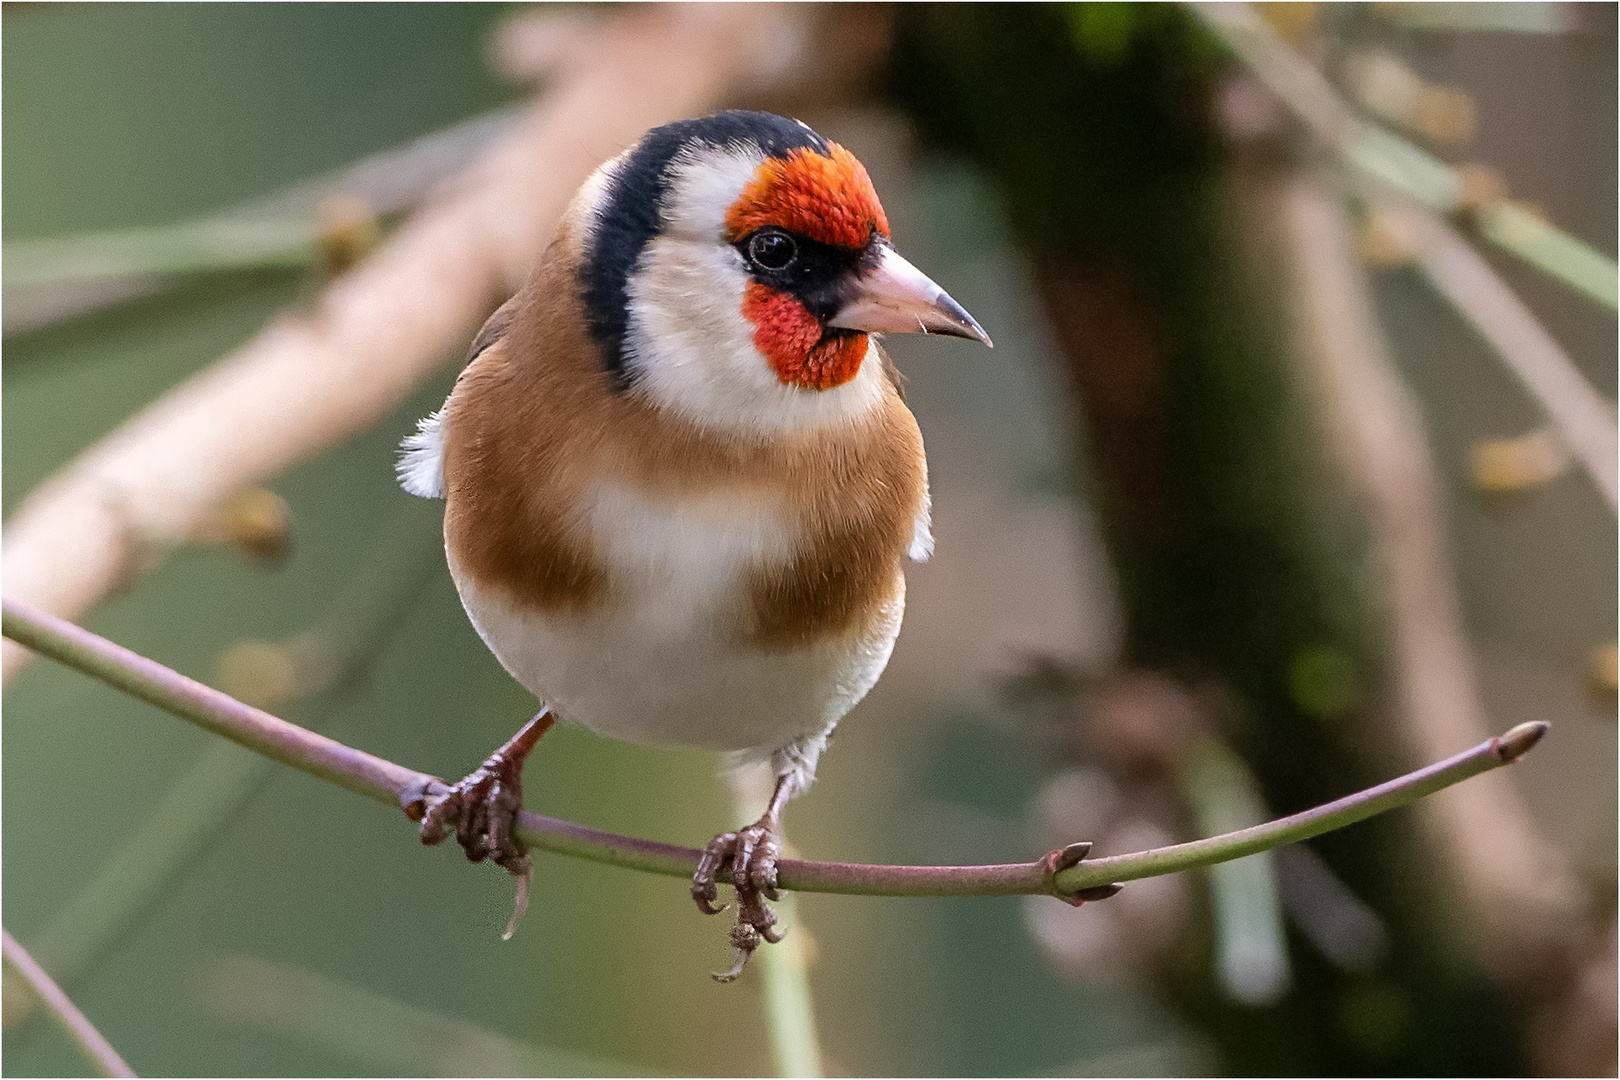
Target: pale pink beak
[[895, 297]]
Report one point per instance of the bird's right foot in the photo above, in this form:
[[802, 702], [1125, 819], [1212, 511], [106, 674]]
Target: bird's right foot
[[750, 855]]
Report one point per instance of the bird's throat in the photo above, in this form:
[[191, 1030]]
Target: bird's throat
[[802, 352]]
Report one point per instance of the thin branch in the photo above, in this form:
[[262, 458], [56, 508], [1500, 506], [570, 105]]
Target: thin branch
[[1413, 185], [1584, 420], [388, 1036], [75, 1023], [187, 247], [1397, 164], [343, 643], [49, 280], [1062, 873]]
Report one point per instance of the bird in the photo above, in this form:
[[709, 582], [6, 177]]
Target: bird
[[681, 481]]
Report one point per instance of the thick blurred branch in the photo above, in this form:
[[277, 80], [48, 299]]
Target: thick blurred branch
[[75, 1023], [311, 380], [1066, 874], [1515, 886]]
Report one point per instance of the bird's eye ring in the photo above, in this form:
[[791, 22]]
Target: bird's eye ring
[[772, 250]]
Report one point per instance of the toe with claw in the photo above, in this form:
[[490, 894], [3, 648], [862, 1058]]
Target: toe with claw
[[483, 806]]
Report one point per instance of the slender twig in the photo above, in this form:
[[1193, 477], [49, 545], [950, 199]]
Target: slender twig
[[1412, 186], [387, 782], [1584, 420], [1393, 162], [75, 1023], [187, 247], [386, 1034], [165, 842], [51, 279]]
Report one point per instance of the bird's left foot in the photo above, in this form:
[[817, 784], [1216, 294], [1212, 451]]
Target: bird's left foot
[[750, 854], [484, 806]]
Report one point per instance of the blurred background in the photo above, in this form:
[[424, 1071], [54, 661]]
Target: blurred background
[[1244, 512]]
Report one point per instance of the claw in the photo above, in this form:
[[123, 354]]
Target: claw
[[742, 857], [705, 888], [762, 873], [736, 968], [519, 905]]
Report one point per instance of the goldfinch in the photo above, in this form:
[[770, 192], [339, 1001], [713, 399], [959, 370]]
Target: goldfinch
[[680, 480]]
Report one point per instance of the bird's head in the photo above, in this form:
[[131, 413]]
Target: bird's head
[[733, 268]]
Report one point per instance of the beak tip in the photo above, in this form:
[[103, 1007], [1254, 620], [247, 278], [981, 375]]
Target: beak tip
[[968, 326], [976, 332]]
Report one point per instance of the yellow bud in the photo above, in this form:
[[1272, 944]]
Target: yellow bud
[[349, 230], [1605, 670], [17, 999], [1445, 115], [260, 521], [1482, 186], [260, 673], [1382, 240], [1293, 21], [1507, 465]]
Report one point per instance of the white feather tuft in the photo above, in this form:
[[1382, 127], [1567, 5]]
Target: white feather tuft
[[421, 461], [922, 529]]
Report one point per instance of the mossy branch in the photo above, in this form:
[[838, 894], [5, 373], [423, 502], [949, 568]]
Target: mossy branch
[[1064, 873]]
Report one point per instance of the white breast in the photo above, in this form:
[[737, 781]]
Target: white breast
[[685, 562], [664, 660]]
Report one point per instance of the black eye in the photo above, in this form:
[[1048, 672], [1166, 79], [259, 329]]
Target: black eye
[[772, 250]]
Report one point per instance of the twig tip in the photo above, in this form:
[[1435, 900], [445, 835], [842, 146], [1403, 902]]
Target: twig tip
[[1516, 742]]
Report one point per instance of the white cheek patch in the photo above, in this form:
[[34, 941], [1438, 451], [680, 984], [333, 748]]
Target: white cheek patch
[[692, 351], [688, 346], [703, 186]]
